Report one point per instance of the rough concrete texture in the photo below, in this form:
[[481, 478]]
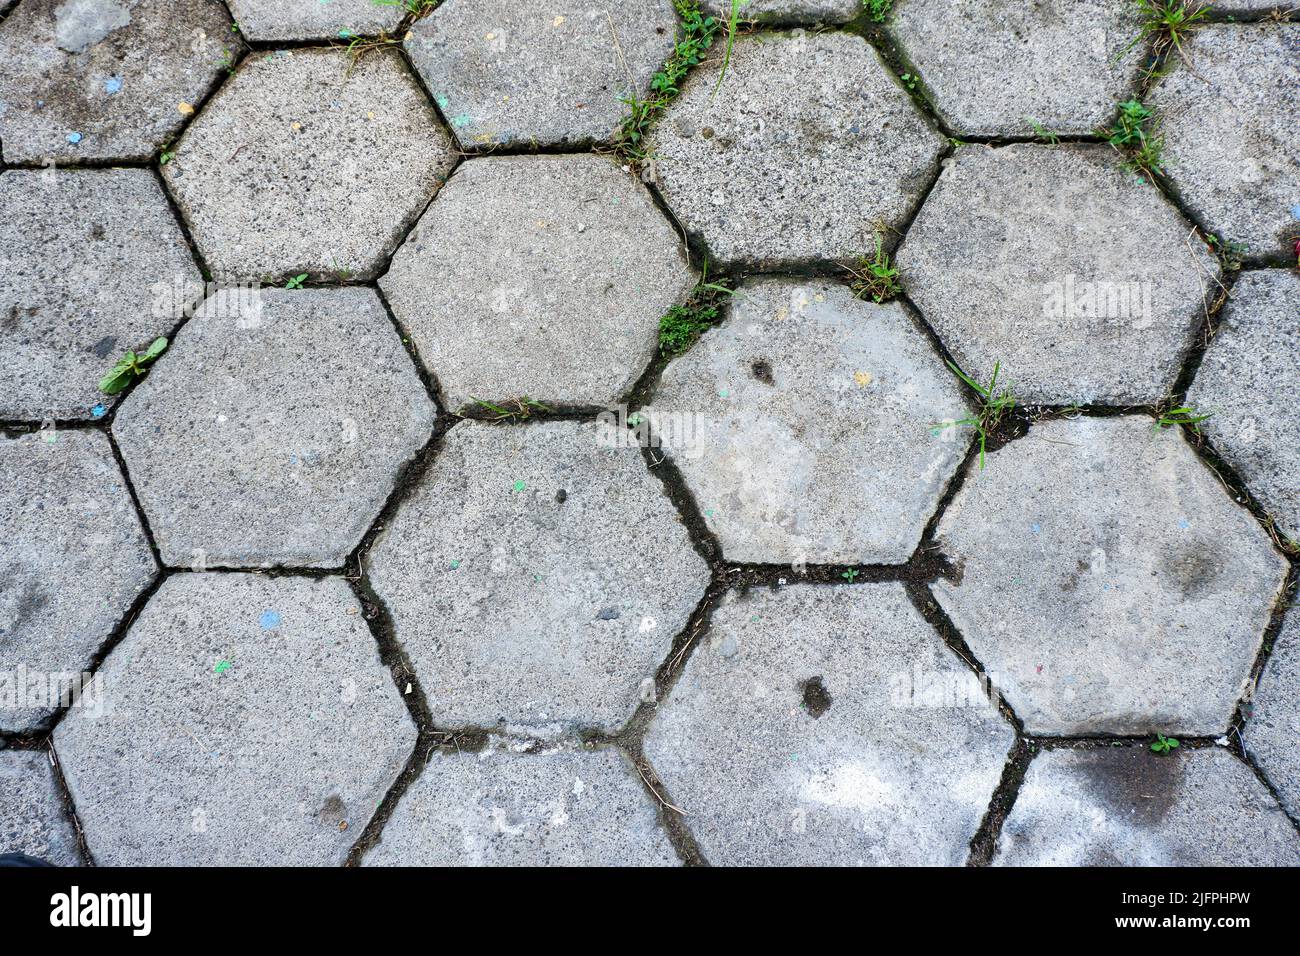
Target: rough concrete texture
[[526, 72], [1248, 381], [992, 68], [537, 576], [299, 164], [251, 723], [1076, 275], [787, 11], [1273, 725], [1107, 581], [74, 560], [1228, 121], [808, 149], [92, 263], [87, 80], [803, 425], [32, 818], [273, 430], [314, 19], [1126, 806], [557, 807], [821, 725], [543, 276]]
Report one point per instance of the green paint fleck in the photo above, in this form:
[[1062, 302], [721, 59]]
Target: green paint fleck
[[222, 667], [455, 564], [519, 485], [460, 121]]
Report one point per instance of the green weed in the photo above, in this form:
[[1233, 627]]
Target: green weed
[[1163, 744], [1135, 135], [1182, 415], [131, 366], [1169, 21], [875, 276], [517, 408], [878, 10], [994, 404]]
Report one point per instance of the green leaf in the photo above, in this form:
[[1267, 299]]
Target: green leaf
[[116, 380], [155, 349]]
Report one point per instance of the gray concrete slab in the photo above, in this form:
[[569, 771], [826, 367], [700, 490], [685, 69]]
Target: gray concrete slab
[[263, 20], [33, 819], [250, 723], [273, 430], [1273, 716]]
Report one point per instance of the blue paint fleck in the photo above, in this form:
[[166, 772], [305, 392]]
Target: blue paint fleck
[[1184, 523], [1295, 210], [113, 85], [269, 619], [1035, 528], [99, 411], [74, 138], [461, 121]]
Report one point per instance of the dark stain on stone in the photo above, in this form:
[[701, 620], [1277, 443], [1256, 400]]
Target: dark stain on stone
[[816, 699], [1132, 782], [609, 614], [1071, 582], [331, 811], [561, 496], [762, 370], [96, 231], [1192, 570], [104, 346]]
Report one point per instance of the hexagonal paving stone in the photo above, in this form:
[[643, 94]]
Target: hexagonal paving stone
[[314, 19], [32, 818], [537, 577], [308, 162], [92, 263], [543, 276], [809, 147], [803, 426], [273, 430], [106, 79], [1228, 122], [524, 72], [1107, 580], [75, 559], [805, 11], [1273, 730], [251, 722], [828, 725], [499, 808], [1125, 806], [993, 68], [1077, 276], [1248, 381]]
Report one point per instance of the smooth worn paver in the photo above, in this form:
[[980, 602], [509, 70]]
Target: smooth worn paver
[[823, 725], [1057, 262], [315, 19], [1126, 806], [74, 560], [537, 576], [787, 11], [1248, 382], [993, 69], [1227, 115], [1107, 580], [530, 73], [33, 820], [557, 807], [92, 264], [538, 276], [1272, 734], [273, 430], [309, 161], [804, 426], [809, 148], [251, 723], [87, 80]]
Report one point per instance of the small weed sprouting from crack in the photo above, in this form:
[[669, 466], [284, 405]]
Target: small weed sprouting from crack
[[683, 324], [359, 46], [994, 404], [1134, 135], [1230, 253], [1044, 135], [516, 409], [875, 276], [1163, 744], [1169, 22], [132, 366], [697, 35], [1180, 415], [416, 8], [295, 282], [878, 10], [733, 20]]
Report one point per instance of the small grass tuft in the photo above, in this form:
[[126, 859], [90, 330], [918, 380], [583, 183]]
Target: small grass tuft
[[875, 276], [131, 366], [295, 282], [1229, 252], [1182, 415], [1044, 135], [878, 10], [1134, 134], [1169, 22], [520, 409], [683, 324], [417, 8], [994, 404], [697, 35]]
